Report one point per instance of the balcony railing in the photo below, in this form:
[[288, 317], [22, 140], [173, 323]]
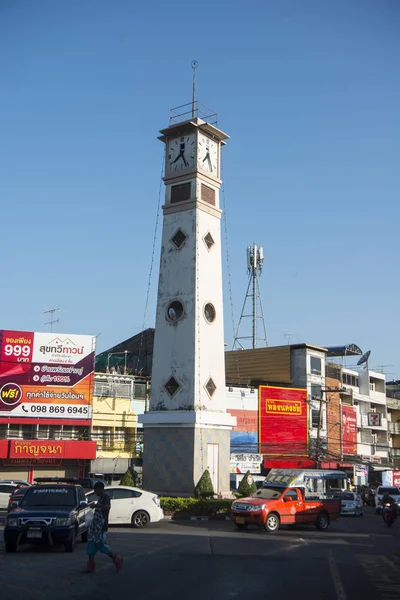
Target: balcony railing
[[394, 427]]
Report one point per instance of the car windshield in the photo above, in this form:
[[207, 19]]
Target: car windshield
[[347, 496], [389, 490], [55, 496], [269, 492]]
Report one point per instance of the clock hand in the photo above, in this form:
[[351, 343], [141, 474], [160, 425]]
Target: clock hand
[[207, 157], [209, 162], [177, 158]]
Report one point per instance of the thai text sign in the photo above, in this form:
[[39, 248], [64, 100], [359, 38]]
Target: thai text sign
[[243, 462], [46, 375], [283, 421], [36, 449]]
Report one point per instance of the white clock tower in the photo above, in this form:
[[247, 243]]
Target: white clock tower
[[187, 429]]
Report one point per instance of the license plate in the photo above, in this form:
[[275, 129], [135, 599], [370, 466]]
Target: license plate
[[240, 520], [34, 534]]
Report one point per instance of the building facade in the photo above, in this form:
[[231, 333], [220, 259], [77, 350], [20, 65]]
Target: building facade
[[117, 401]]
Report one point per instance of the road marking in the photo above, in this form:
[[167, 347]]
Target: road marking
[[340, 593], [384, 574]]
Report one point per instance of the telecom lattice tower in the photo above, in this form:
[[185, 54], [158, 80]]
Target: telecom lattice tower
[[255, 259]]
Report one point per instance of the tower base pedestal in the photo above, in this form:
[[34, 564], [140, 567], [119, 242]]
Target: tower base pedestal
[[180, 445]]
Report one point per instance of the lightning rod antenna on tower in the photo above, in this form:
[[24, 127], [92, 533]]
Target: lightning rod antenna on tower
[[255, 261], [195, 64]]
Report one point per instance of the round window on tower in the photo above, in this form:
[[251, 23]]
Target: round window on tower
[[209, 312], [175, 311]]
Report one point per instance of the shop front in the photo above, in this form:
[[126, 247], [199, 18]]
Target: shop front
[[29, 459]]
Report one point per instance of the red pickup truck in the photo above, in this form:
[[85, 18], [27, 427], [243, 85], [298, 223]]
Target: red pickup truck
[[274, 505]]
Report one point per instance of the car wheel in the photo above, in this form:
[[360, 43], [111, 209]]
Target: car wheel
[[241, 525], [322, 522], [272, 523], [69, 546], [84, 537], [140, 519], [11, 547]]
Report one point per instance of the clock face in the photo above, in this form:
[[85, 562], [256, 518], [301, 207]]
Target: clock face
[[207, 155], [181, 153]]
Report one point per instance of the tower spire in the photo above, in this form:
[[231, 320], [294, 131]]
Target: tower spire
[[195, 64]]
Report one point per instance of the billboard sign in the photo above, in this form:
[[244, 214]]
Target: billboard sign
[[241, 463], [396, 477], [374, 419], [283, 421], [244, 435], [349, 429], [46, 375]]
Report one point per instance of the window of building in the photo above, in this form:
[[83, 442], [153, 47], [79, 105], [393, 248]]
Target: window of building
[[209, 241], [175, 311], [315, 418], [29, 432], [172, 386], [315, 365], [209, 312], [316, 390], [43, 432], [349, 379], [210, 387], [179, 238], [15, 432]]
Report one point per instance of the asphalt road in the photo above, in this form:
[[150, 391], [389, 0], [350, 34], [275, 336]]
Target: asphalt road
[[356, 558]]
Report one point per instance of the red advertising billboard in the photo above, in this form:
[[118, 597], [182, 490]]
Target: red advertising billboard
[[283, 421], [396, 477], [349, 430], [46, 375]]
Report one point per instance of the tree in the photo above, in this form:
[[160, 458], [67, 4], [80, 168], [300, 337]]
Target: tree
[[127, 479], [204, 487], [245, 488]]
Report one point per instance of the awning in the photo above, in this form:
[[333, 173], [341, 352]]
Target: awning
[[109, 466]]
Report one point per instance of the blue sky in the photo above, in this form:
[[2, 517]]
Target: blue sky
[[309, 93]]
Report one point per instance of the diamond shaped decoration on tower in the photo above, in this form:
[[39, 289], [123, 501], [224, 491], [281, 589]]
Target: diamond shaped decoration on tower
[[172, 386], [210, 387], [208, 240], [179, 238]]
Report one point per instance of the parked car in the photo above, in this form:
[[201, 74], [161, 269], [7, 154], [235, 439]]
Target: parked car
[[6, 489], [274, 505], [351, 504], [16, 497], [16, 481], [49, 513], [88, 483], [393, 491], [131, 506]]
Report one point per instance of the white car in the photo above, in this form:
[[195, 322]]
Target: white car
[[131, 505], [382, 490], [351, 504], [6, 489]]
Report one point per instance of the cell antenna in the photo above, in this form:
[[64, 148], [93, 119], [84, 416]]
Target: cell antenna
[[255, 260]]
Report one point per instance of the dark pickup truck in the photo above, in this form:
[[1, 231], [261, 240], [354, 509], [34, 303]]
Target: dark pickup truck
[[48, 514]]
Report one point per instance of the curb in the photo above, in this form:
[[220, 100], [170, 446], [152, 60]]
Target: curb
[[169, 518]]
